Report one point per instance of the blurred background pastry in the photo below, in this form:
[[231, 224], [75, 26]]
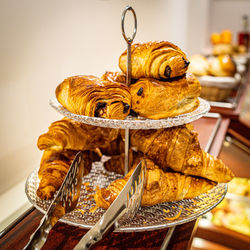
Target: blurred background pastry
[[199, 65], [223, 65]]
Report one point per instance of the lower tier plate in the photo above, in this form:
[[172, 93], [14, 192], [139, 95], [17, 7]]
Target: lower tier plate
[[147, 218]]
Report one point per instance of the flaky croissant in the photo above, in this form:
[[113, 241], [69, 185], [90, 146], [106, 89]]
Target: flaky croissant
[[115, 147], [54, 167], [156, 60], [156, 99], [70, 134], [159, 187], [116, 163], [179, 149], [114, 77], [91, 96]]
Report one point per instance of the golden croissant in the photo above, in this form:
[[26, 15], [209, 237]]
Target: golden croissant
[[156, 99], [159, 187], [115, 147], [54, 167], [70, 134], [155, 59], [91, 96], [116, 163], [114, 77], [178, 148]]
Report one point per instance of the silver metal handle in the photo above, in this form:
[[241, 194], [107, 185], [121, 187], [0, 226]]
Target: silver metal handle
[[128, 77], [101, 229], [39, 237], [167, 238], [129, 40]]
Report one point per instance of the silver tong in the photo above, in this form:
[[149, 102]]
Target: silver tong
[[64, 202], [123, 207]]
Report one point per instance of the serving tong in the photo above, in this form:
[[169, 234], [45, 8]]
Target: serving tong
[[64, 202], [122, 208]]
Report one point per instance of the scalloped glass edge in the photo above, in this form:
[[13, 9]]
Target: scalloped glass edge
[[135, 123], [222, 188]]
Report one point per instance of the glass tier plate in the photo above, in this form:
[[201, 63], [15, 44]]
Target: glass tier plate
[[135, 122], [154, 217]]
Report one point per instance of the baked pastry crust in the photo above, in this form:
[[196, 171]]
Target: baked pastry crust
[[178, 148], [159, 187], [114, 77], [91, 96], [158, 59], [156, 99], [69, 134], [54, 167]]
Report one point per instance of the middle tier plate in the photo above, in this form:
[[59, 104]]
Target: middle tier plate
[[135, 122]]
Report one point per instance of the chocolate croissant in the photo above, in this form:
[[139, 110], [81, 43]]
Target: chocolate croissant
[[156, 99], [159, 187], [91, 96], [54, 167], [155, 59], [69, 134], [178, 148]]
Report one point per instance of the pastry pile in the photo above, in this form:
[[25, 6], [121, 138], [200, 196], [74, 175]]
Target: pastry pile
[[161, 87], [177, 167]]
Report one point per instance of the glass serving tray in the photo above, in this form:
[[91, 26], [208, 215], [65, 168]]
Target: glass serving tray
[[149, 218], [135, 122]]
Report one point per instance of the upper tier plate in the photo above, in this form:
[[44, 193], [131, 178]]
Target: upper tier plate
[[135, 122]]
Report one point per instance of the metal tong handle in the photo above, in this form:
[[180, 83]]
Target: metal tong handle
[[129, 40], [102, 229], [39, 237], [126, 204]]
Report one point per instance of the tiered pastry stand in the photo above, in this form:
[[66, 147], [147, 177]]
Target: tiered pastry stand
[[154, 217]]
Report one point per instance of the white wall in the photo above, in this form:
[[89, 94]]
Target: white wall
[[197, 25], [42, 42]]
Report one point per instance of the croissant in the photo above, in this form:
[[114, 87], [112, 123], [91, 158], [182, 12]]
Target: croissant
[[70, 134], [178, 148], [159, 187], [157, 99], [115, 147], [116, 163], [155, 59], [114, 77], [54, 167], [91, 96]]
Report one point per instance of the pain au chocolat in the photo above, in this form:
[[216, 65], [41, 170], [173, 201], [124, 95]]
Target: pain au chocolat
[[156, 60], [155, 99], [91, 96]]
